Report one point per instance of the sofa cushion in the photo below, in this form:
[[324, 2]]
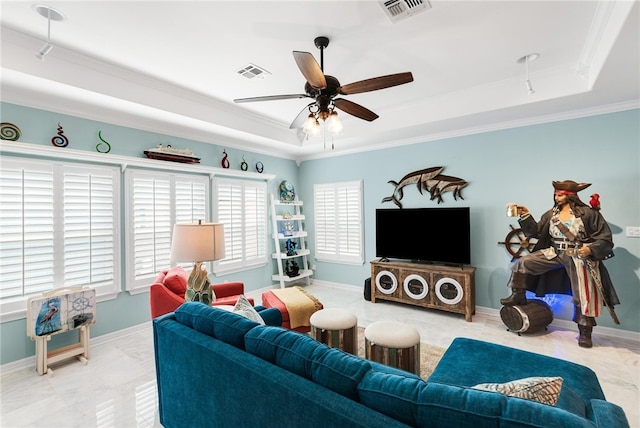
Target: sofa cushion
[[571, 401], [290, 350], [219, 323], [607, 414], [340, 372], [545, 390], [419, 403], [306, 357], [176, 280]]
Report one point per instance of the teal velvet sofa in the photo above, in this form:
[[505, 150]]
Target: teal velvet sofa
[[217, 369]]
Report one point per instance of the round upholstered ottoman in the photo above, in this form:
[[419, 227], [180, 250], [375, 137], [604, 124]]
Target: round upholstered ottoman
[[336, 328], [394, 344]]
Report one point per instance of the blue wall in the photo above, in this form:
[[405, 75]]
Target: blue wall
[[38, 127], [511, 165]]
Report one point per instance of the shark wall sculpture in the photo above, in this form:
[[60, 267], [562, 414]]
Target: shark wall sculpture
[[428, 179]]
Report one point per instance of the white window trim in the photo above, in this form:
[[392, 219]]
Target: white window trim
[[321, 254]]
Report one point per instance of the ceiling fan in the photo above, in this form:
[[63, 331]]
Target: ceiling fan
[[324, 89]]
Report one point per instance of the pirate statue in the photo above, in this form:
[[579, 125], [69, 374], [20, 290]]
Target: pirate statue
[[573, 239]]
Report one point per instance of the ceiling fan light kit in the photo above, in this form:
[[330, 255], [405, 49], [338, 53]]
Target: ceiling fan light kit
[[52, 15], [325, 89]]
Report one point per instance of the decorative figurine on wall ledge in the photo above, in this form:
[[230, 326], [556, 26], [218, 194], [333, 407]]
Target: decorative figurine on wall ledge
[[170, 154], [60, 140], [9, 132], [244, 165], [259, 167], [428, 179], [290, 246], [225, 159], [292, 269], [100, 150]]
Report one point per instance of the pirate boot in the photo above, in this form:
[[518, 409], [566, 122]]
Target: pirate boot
[[585, 328], [518, 287]]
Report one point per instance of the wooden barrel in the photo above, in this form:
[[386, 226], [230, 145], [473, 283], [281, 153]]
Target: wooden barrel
[[534, 316]]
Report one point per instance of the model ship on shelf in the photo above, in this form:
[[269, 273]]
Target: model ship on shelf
[[171, 154]]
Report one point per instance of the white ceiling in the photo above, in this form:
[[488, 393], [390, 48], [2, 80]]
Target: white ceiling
[[171, 66]]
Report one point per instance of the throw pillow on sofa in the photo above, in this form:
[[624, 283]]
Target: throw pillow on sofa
[[545, 390], [244, 308]]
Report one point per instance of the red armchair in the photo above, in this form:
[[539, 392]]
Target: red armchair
[[167, 292]]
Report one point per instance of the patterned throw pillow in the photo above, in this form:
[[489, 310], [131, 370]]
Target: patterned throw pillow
[[244, 308], [545, 390]]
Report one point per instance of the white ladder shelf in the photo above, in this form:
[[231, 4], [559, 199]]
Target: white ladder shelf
[[281, 235]]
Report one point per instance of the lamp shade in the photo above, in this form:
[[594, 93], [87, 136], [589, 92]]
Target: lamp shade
[[197, 242]]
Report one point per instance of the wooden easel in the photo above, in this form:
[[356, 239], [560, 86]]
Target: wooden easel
[[71, 308]]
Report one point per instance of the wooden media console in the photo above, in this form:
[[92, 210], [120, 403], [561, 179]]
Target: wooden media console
[[447, 288]]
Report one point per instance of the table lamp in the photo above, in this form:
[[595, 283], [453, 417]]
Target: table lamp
[[198, 243]]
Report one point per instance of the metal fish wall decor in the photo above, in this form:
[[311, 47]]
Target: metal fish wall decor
[[430, 180]]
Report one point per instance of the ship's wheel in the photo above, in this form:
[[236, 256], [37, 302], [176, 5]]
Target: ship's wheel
[[517, 243]]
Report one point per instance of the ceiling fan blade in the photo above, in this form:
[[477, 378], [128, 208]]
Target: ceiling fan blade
[[310, 69], [355, 109], [376, 83], [298, 122], [270, 98]]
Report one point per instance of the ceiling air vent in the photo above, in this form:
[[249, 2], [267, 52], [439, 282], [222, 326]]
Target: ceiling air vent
[[397, 10], [252, 71]]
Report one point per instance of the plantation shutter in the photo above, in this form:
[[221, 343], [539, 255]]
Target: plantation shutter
[[156, 202], [27, 237], [241, 206], [60, 228], [338, 222], [90, 228]]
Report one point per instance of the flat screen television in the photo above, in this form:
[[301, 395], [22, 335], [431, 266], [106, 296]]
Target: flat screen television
[[438, 235]]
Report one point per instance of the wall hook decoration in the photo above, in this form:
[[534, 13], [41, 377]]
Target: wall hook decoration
[[225, 159], [60, 140], [428, 179], [100, 150]]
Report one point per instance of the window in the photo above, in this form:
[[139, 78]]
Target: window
[[60, 228], [155, 202], [241, 205], [338, 222]]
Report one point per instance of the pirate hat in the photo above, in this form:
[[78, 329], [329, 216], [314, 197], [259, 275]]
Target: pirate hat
[[569, 186]]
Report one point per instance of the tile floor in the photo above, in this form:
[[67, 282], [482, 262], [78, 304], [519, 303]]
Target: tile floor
[[117, 387]]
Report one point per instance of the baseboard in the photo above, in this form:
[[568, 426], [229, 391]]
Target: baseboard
[[565, 324], [99, 340]]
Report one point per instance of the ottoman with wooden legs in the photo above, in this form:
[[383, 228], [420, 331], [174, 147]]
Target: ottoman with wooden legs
[[394, 344]]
